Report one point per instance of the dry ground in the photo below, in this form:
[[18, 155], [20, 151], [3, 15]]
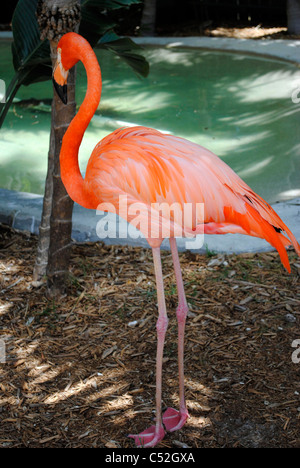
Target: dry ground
[[79, 374]]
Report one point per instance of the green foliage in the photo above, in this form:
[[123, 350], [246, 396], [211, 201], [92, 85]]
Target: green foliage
[[124, 48], [31, 56]]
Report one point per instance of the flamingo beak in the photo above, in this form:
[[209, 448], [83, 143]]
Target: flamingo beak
[[59, 78]]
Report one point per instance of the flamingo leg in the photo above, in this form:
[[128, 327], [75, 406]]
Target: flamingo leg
[[154, 434], [172, 419]]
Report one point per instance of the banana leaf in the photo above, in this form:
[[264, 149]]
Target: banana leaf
[[124, 48], [31, 56]]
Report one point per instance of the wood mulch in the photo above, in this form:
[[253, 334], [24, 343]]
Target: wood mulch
[[80, 372]]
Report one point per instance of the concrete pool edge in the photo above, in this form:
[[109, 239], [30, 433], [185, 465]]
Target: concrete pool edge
[[23, 210], [280, 49]]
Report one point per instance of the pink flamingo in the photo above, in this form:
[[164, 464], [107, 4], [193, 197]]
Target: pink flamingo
[[151, 167]]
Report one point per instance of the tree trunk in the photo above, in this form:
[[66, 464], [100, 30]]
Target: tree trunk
[[293, 15], [55, 18], [41, 261], [148, 18], [62, 205]]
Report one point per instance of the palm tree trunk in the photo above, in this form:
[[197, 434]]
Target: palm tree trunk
[[293, 14], [55, 18]]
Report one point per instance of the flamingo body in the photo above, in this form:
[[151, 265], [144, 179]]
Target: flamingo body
[[150, 168]]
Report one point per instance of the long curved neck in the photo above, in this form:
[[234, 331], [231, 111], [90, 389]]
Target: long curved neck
[[70, 172]]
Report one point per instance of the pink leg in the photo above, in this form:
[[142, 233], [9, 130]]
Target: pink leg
[[174, 420], [154, 434]]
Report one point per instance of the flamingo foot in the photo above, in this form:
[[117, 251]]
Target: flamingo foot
[[174, 420], [148, 438]]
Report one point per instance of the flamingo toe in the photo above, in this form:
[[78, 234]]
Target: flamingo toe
[[148, 438], [174, 420]]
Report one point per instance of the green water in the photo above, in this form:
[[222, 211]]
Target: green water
[[238, 106]]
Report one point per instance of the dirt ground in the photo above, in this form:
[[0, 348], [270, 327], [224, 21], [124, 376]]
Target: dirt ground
[[80, 372]]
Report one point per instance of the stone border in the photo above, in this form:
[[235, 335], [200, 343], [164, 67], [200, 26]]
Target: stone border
[[287, 49]]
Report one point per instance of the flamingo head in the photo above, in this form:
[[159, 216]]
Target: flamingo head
[[69, 51], [73, 48]]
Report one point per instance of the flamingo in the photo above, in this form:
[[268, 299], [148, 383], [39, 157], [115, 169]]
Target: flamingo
[[148, 167]]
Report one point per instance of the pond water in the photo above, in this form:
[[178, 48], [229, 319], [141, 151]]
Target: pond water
[[238, 106]]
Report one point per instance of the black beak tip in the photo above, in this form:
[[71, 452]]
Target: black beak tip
[[62, 91]]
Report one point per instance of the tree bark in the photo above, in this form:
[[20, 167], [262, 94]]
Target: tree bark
[[293, 15], [41, 261], [55, 18], [148, 18]]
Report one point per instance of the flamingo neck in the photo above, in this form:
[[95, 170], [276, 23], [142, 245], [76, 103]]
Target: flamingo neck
[[70, 172]]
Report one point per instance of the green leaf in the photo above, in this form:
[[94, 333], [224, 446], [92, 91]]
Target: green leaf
[[124, 47], [30, 54], [94, 25]]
